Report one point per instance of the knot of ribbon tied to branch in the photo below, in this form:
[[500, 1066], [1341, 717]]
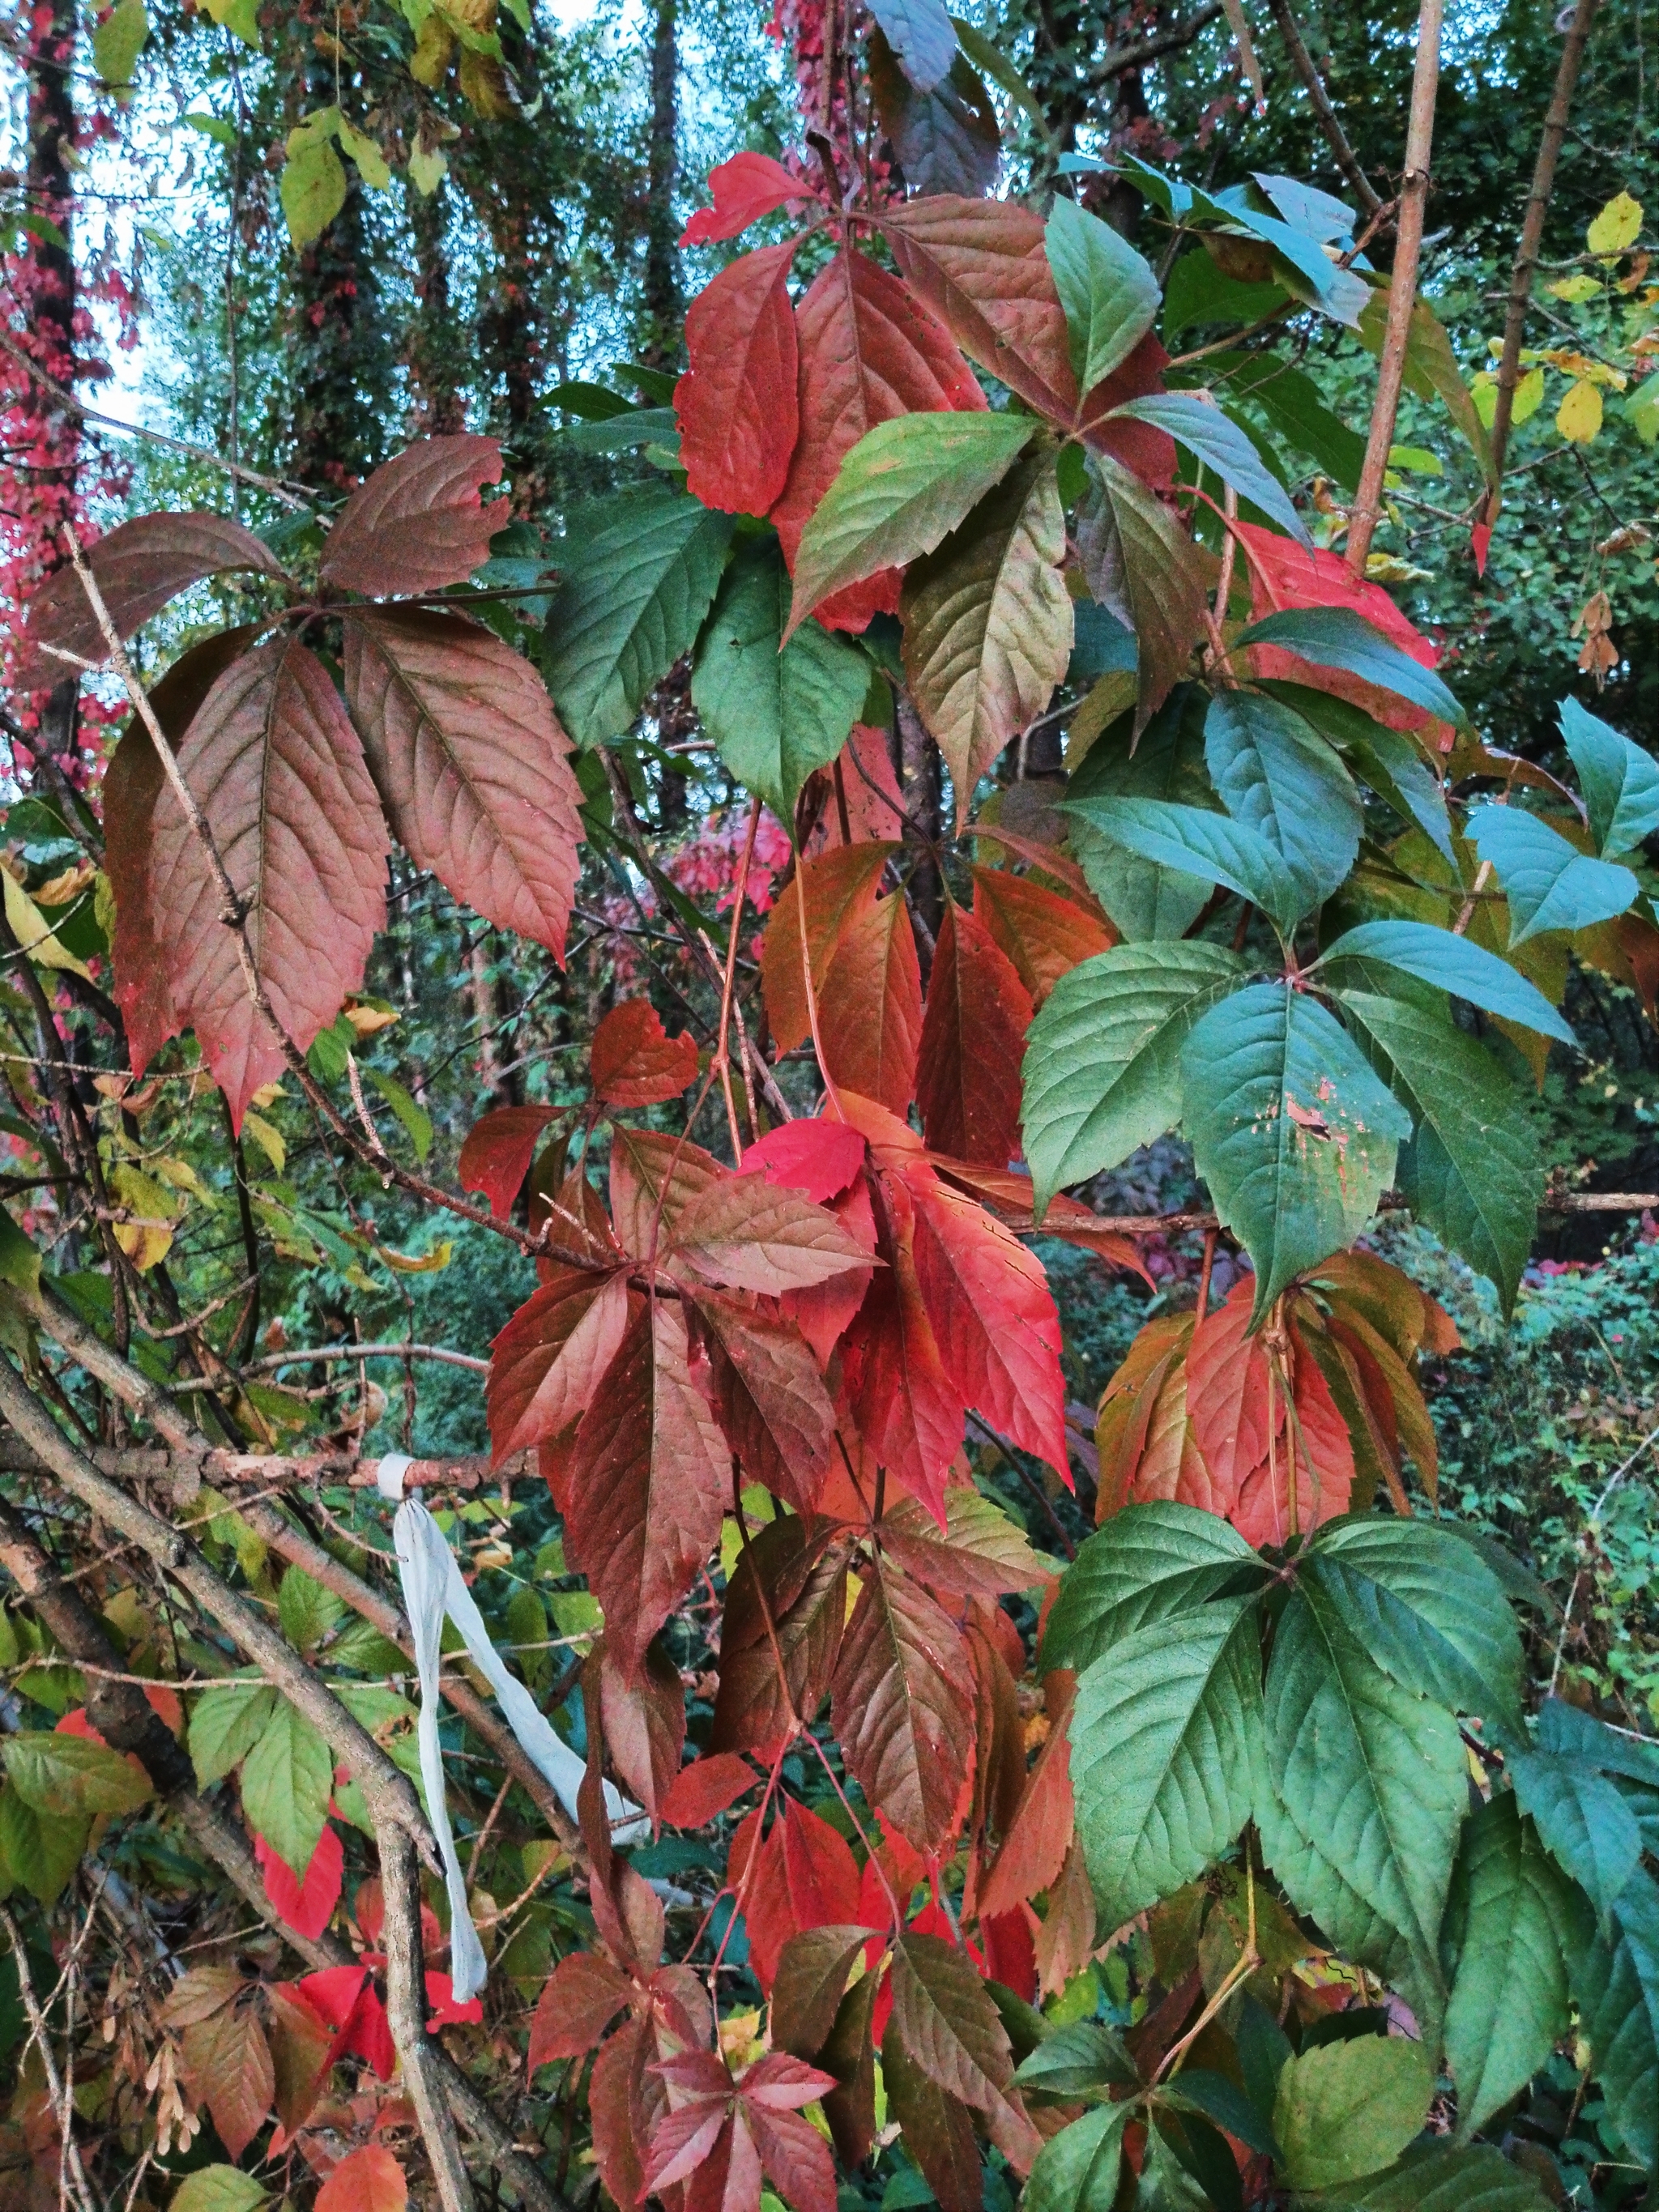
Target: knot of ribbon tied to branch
[[433, 1589]]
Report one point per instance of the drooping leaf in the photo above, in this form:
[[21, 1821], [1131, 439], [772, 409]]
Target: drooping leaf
[[737, 405], [366, 2180], [1548, 885], [41, 1851], [987, 623], [1294, 1134], [138, 567], [225, 1724], [938, 2130], [1110, 294], [1165, 1735], [973, 1043], [654, 1178], [1219, 442], [903, 1704], [764, 1388], [651, 563], [225, 2063], [833, 887], [583, 1995], [948, 2022], [1517, 1924], [981, 1549], [775, 710], [1339, 637], [1389, 760], [1152, 1562], [1142, 564], [1102, 1058], [1039, 1835], [548, 1364], [648, 1482], [1045, 936], [287, 1778], [418, 523], [633, 1060], [1472, 1171], [1277, 776], [471, 764], [279, 775], [869, 350], [217, 2189], [1430, 369], [1348, 2109], [1453, 964], [706, 1787], [945, 140], [800, 1584], [921, 36], [1443, 2179], [1619, 781], [905, 486]]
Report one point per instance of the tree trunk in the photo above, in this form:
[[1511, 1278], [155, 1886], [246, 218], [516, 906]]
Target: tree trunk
[[430, 351], [664, 305]]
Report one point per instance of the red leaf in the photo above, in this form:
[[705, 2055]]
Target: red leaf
[[1321, 1450], [839, 885], [654, 1178], [1035, 1848], [645, 1726], [823, 1315], [982, 267], [446, 2011], [763, 1388], [688, 2142], [579, 1999], [745, 189], [907, 1407], [707, 1788], [820, 1873], [613, 2091], [279, 775], [796, 2158], [306, 1907], [737, 404], [819, 1158], [1285, 574], [496, 1155], [870, 1004], [1044, 935], [903, 1706], [366, 2180], [300, 2044], [755, 1869], [648, 1483], [137, 567], [417, 524], [635, 1061], [1007, 1192], [346, 1997], [1227, 1400], [471, 763], [547, 1364], [1150, 452], [973, 1044], [746, 1233], [869, 350], [994, 1319], [861, 779]]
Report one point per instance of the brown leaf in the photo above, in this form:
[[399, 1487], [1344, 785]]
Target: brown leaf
[[635, 1062], [471, 763], [648, 1483], [417, 524], [137, 567], [763, 1388], [947, 2020], [980, 1552], [749, 1234], [849, 2053], [1039, 1836], [999, 1744], [645, 1726], [1065, 1936], [300, 2044], [809, 1985], [804, 1576], [225, 2063], [580, 1998], [938, 2131], [654, 1178], [903, 1707], [547, 1364], [1044, 935], [973, 1045], [277, 772], [616, 2084], [202, 1992], [838, 884]]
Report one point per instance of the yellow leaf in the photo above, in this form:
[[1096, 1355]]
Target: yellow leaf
[[1575, 288], [1528, 395], [1618, 225], [269, 1141], [64, 887], [266, 1097], [371, 161], [178, 1175], [36, 935], [1579, 416], [367, 1019], [424, 1263]]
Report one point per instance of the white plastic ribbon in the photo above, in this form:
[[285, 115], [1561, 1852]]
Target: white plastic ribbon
[[432, 1588]]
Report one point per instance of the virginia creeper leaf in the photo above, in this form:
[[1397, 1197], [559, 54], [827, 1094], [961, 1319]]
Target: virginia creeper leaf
[[904, 1702], [1339, 637], [1045, 936], [633, 1060], [496, 1155], [1279, 777], [945, 141], [418, 523], [287, 1777], [1453, 964], [1209, 434], [745, 188], [747, 1233], [1548, 885], [1348, 2109], [549, 1362], [1142, 564], [764, 1388], [1619, 781], [1616, 1983], [1110, 294], [973, 1042], [737, 404], [921, 35], [1155, 1562]]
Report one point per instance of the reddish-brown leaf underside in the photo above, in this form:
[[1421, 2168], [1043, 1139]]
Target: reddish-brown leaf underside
[[137, 567], [417, 524], [649, 1171], [547, 1364], [737, 404], [496, 1155], [635, 1062], [803, 1579], [870, 1012], [903, 1706], [747, 1233], [765, 1390], [869, 350], [580, 1998], [973, 1044], [645, 1727], [471, 763], [278, 774]]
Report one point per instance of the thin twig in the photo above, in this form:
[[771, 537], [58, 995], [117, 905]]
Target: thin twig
[[1305, 67]]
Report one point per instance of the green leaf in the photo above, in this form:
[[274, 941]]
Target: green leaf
[[1429, 1610], [1291, 404], [989, 623], [1197, 843], [288, 1776], [775, 712], [212, 126], [69, 1776], [1078, 2061], [1337, 637], [903, 487], [1548, 885], [628, 426], [1472, 1171], [41, 1851], [989, 57], [1616, 1983], [1345, 2109], [642, 570], [372, 164], [1452, 964], [1439, 2179], [1153, 1562], [307, 1610], [1102, 1068], [1165, 1739], [1111, 295], [1277, 776], [313, 186], [1078, 2169], [416, 1122], [119, 41], [225, 1724], [1584, 1821], [1141, 564], [1294, 1134], [1213, 2097], [1208, 435], [217, 2189], [1619, 781], [241, 17], [1197, 296], [1515, 1924], [20, 1260], [1146, 901], [1431, 370]]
